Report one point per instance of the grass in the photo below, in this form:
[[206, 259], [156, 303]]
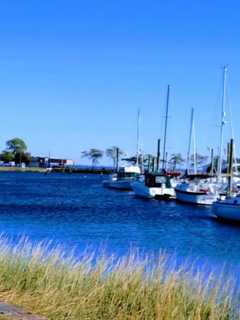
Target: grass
[[19, 169], [49, 283]]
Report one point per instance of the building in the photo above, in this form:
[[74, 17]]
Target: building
[[44, 162]]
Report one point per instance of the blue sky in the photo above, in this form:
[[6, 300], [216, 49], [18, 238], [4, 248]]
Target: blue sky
[[73, 73]]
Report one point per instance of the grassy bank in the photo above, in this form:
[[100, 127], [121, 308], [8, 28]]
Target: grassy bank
[[18, 169], [63, 288]]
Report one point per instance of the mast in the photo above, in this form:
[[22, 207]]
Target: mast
[[194, 150], [165, 129], [158, 153], [192, 138], [138, 135], [117, 159], [212, 162], [223, 121], [230, 167]]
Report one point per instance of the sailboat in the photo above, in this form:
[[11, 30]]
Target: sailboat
[[228, 208], [124, 176], [157, 184], [195, 188]]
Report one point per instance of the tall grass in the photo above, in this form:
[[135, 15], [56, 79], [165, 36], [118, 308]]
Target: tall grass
[[49, 282]]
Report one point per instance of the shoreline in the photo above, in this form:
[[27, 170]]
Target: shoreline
[[57, 170]]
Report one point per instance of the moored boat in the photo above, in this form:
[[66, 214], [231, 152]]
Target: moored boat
[[196, 192], [122, 180], [154, 185], [228, 208]]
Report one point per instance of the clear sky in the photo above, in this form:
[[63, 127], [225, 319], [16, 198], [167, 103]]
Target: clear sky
[[73, 73]]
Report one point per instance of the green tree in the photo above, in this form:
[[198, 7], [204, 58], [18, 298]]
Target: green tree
[[16, 145], [7, 156], [176, 160], [18, 150], [22, 157], [93, 154], [112, 154], [201, 159]]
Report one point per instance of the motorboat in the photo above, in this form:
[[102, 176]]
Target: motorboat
[[154, 185], [122, 180]]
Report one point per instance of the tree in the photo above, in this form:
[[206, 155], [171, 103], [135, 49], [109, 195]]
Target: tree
[[22, 157], [94, 155], [200, 159], [112, 154], [16, 145], [16, 151], [176, 159], [7, 156]]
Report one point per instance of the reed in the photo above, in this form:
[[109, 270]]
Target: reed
[[49, 282]]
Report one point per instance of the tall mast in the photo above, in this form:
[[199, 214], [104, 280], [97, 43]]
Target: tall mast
[[192, 139], [138, 135], [230, 167], [194, 149], [165, 129], [158, 153], [223, 120]]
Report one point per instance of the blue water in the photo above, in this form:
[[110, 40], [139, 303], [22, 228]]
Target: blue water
[[76, 211]]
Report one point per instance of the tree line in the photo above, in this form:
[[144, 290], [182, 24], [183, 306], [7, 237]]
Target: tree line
[[174, 162]]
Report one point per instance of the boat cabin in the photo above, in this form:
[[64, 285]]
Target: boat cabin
[[129, 172], [157, 180]]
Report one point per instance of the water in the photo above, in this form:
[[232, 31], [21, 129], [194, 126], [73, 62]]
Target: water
[[76, 211]]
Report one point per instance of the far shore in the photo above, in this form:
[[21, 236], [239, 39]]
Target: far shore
[[57, 170]]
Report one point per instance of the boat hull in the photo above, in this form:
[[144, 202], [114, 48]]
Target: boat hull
[[195, 197], [143, 191], [226, 211], [124, 185]]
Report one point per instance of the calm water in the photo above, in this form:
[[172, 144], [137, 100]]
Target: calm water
[[77, 212]]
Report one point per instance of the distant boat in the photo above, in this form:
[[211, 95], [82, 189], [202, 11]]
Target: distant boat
[[122, 180], [154, 185]]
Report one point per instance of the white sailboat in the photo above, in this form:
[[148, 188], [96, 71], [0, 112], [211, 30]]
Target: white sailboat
[[196, 188], [228, 208], [157, 184]]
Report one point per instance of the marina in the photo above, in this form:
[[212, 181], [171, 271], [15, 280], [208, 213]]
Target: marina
[[76, 212]]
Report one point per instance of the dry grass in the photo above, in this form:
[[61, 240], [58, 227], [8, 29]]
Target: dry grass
[[63, 288]]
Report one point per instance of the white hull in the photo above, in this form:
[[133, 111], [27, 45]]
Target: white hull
[[118, 184], [227, 211], [143, 191], [196, 198]]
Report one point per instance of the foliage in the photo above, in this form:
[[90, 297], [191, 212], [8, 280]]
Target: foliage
[[22, 157], [7, 156], [112, 154], [201, 159], [16, 151], [93, 154], [175, 160], [50, 282], [16, 145]]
